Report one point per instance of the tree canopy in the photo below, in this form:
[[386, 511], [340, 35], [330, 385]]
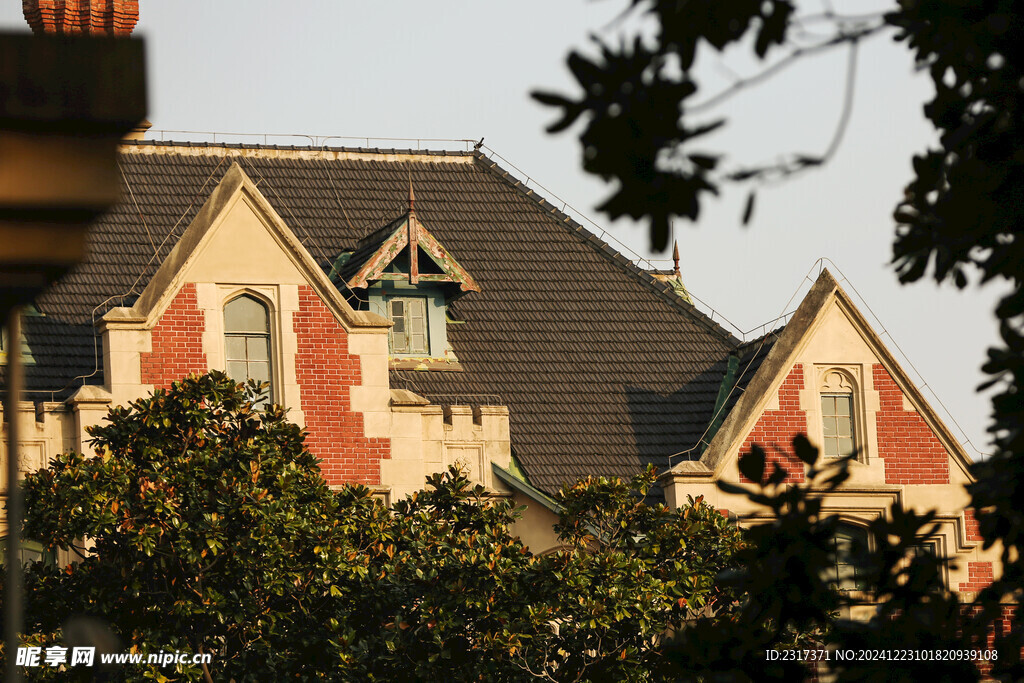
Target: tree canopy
[[211, 530]]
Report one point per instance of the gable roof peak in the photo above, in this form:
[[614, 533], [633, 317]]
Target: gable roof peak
[[406, 234], [174, 269]]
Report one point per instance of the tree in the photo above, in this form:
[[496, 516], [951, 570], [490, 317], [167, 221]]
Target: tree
[[452, 588], [210, 530], [632, 574], [643, 114]]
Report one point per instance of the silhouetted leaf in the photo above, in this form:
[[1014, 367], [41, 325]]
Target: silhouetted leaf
[[804, 449], [752, 464]]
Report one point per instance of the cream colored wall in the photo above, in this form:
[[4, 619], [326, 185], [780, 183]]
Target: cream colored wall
[[835, 342], [426, 438], [40, 440], [536, 526]]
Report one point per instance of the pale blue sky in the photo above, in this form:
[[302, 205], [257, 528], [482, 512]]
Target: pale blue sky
[[464, 68]]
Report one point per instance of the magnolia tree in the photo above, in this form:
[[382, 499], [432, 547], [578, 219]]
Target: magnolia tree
[[644, 123], [202, 525]]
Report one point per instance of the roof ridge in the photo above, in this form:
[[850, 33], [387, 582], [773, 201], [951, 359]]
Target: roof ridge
[[137, 146], [750, 342], [613, 254]]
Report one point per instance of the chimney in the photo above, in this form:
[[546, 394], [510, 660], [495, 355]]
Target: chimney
[[94, 17]]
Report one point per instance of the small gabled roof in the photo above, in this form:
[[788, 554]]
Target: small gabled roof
[[381, 247]]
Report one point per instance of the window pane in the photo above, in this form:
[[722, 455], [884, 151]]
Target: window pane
[[843, 404], [409, 333], [237, 370], [837, 424], [258, 348], [245, 314], [399, 341], [398, 316], [927, 550], [417, 325], [236, 348], [848, 540], [259, 371]]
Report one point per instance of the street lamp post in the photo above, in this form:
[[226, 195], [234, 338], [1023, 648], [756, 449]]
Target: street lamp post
[[65, 103]]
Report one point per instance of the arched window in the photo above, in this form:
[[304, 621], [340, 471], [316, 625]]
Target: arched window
[[247, 339], [837, 415]]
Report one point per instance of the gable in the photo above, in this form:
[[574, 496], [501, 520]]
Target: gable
[[379, 258], [243, 248], [828, 350], [238, 238]]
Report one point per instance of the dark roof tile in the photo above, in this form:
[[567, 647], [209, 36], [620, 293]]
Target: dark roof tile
[[603, 368]]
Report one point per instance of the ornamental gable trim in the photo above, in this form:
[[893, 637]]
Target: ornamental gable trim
[[407, 234]]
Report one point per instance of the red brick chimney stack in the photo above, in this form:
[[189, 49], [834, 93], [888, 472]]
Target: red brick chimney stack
[[95, 17]]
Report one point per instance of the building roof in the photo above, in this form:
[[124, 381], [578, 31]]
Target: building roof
[[604, 369]]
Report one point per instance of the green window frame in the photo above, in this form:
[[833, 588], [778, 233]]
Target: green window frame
[[838, 435], [247, 348], [410, 333]]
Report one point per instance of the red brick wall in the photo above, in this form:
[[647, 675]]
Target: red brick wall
[[973, 532], [177, 342], [979, 576], [912, 452], [780, 426], [325, 371]]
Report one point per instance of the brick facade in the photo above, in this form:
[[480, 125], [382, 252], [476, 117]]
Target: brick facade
[[780, 426], [177, 342], [911, 451], [971, 528], [979, 574], [326, 371]]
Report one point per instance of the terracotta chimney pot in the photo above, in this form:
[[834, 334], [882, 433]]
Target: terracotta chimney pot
[[95, 17]]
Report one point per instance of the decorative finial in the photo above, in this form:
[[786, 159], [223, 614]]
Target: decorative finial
[[675, 257], [412, 197]]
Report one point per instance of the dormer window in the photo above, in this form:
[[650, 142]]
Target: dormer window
[[402, 271], [410, 331], [247, 339]]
